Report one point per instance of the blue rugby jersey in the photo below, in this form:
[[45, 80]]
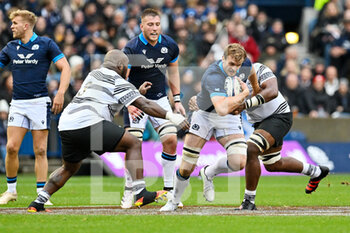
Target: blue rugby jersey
[[149, 63], [29, 64], [213, 83]]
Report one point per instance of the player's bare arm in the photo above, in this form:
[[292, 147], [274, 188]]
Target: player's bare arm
[[225, 105], [64, 67], [136, 113], [153, 109], [254, 81], [174, 84]]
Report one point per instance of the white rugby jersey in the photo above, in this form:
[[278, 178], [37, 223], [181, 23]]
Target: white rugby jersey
[[102, 94], [276, 106]]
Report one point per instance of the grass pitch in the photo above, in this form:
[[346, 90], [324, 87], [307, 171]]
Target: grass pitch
[[96, 191]]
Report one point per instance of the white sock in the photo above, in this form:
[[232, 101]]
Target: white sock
[[138, 186], [311, 170], [168, 162], [38, 190], [42, 198], [250, 195], [181, 184], [11, 187], [128, 179], [220, 166]]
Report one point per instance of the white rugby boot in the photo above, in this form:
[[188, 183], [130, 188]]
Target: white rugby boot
[[208, 186], [127, 200], [7, 197], [170, 196], [169, 206]]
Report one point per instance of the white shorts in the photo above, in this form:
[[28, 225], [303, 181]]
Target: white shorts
[[156, 122], [32, 114], [205, 124]]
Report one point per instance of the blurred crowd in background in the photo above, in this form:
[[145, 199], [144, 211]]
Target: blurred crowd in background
[[86, 29]]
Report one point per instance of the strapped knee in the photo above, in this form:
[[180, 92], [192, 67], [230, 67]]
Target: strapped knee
[[190, 154], [259, 141], [166, 129], [236, 147], [137, 132], [270, 158]]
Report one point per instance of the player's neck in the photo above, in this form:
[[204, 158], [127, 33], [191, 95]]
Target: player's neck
[[25, 39]]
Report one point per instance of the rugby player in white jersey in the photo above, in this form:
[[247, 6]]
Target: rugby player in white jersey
[[85, 126]]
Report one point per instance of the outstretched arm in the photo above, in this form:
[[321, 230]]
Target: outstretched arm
[[153, 109]]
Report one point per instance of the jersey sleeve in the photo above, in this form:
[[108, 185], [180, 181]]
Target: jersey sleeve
[[54, 52], [128, 51], [176, 52], [125, 93], [214, 85], [264, 73], [4, 58]]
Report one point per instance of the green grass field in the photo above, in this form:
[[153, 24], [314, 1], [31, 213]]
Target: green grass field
[[273, 191]]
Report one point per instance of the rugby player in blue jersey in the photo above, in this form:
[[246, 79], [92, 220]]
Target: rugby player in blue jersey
[[214, 118], [151, 55], [29, 57]]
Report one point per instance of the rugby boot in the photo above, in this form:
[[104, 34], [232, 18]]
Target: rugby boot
[[7, 197], [145, 197], [36, 207], [169, 206], [313, 183], [208, 186], [128, 199], [247, 205]]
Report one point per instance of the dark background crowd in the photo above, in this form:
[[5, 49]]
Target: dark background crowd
[[315, 83]]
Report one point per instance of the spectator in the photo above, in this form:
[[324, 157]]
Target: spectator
[[275, 38], [340, 50], [240, 36], [316, 99], [225, 10], [293, 93], [326, 29], [260, 26], [342, 100], [69, 10], [332, 82], [52, 15], [305, 77]]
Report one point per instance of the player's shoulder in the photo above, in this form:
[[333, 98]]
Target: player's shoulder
[[213, 72], [133, 43], [168, 39]]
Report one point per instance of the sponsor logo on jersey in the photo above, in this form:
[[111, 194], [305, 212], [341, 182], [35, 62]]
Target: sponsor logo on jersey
[[25, 59], [153, 63], [164, 50]]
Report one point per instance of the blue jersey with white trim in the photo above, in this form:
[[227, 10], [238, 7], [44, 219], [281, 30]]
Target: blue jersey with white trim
[[29, 64], [149, 63], [213, 83]]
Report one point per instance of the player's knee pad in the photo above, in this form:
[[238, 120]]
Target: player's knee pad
[[236, 147], [137, 132], [270, 158], [190, 154], [259, 141], [166, 129]]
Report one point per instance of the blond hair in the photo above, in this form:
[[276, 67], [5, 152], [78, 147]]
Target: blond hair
[[27, 16], [236, 51]]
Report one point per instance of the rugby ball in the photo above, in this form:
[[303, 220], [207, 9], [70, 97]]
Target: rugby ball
[[232, 86]]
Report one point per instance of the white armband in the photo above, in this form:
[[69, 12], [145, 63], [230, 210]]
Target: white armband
[[254, 101]]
